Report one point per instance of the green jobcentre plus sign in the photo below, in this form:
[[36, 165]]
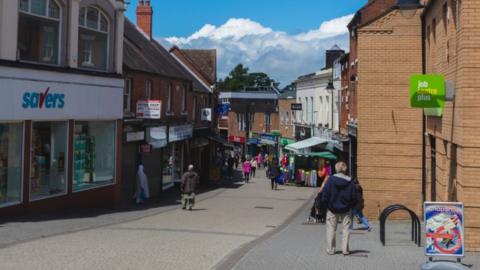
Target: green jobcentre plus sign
[[427, 91]]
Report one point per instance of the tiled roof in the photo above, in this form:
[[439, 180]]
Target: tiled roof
[[205, 61]]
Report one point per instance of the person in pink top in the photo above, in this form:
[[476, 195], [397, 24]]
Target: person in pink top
[[247, 169], [259, 160]]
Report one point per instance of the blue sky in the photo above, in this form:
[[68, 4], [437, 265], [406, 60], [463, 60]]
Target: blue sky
[[184, 17], [283, 38]]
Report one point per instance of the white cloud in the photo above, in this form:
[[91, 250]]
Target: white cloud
[[284, 57]]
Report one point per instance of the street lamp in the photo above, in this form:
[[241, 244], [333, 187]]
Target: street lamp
[[408, 8]]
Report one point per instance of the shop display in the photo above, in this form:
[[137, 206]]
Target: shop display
[[10, 162]]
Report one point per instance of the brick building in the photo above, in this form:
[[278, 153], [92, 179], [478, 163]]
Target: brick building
[[157, 134], [451, 30], [386, 50], [287, 117], [252, 123]]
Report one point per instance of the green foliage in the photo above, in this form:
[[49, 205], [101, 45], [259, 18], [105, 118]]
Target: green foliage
[[240, 79]]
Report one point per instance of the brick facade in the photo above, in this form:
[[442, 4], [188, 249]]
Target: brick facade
[[452, 29], [286, 117], [389, 50]]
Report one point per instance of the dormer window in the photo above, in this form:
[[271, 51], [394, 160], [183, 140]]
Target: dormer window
[[93, 39], [38, 31]]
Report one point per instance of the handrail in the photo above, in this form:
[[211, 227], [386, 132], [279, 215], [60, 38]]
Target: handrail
[[416, 225]]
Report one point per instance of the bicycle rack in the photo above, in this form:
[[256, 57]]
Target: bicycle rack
[[416, 225]]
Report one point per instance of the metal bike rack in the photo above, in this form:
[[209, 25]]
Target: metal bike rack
[[416, 225]]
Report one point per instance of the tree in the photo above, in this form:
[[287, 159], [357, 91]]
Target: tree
[[239, 78]]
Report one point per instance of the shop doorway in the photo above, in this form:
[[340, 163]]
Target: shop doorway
[[129, 169]]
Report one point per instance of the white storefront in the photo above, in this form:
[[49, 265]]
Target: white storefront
[[58, 133]]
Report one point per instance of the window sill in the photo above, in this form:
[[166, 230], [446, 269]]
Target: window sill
[[184, 113], [169, 113]]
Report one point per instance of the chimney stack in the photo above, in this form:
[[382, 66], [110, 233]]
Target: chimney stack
[[144, 17]]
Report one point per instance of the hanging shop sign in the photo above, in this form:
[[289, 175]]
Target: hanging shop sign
[[236, 139], [296, 107], [157, 136], [135, 136], [206, 114], [223, 109], [179, 133], [149, 109], [444, 229], [427, 91]]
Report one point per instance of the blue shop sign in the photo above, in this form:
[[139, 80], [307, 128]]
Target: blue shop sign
[[253, 141], [268, 139]]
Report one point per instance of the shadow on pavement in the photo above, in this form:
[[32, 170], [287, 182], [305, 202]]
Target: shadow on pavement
[[167, 198]]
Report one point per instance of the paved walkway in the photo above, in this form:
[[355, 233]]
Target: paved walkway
[[300, 246], [154, 237]]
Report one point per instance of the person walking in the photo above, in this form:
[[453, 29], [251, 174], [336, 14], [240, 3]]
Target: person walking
[[254, 167], [142, 192], [358, 209], [247, 169], [230, 162], [273, 173], [340, 196], [190, 180], [259, 160]]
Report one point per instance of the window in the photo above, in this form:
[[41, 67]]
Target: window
[[288, 118], [148, 89], [93, 39], [194, 109], [241, 122], [38, 31], [312, 118], [169, 98], [184, 98], [127, 96], [94, 154], [11, 140], [48, 175], [268, 122]]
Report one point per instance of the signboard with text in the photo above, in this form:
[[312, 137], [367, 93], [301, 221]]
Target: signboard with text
[[236, 139], [296, 107], [444, 229], [427, 91], [149, 109]]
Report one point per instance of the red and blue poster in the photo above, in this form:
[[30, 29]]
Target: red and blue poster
[[444, 229]]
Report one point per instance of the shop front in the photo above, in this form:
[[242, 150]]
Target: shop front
[[59, 145], [174, 154]]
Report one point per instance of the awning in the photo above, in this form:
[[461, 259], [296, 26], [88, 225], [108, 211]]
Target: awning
[[310, 142], [325, 155], [286, 141]]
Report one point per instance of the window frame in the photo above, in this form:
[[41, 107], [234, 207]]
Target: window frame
[[45, 17], [184, 99], [99, 31], [66, 162], [22, 173], [169, 110]]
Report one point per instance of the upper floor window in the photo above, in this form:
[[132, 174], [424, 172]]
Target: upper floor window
[[184, 98], [93, 38], [148, 89], [38, 31], [127, 95], [169, 98]]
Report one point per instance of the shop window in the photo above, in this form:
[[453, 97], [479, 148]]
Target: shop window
[[172, 164], [38, 31], [11, 140], [48, 170], [93, 39], [94, 154], [127, 96]]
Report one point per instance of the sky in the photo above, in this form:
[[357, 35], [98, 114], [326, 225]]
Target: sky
[[283, 38]]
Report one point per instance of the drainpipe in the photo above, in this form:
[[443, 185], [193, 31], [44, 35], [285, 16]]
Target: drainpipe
[[424, 148]]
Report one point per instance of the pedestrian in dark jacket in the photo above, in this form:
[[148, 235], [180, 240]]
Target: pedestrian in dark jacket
[[358, 209], [273, 172], [190, 180], [340, 196]]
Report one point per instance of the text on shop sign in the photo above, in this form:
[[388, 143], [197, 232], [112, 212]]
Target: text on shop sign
[[41, 100]]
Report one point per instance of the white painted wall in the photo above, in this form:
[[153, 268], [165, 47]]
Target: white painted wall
[[315, 87]]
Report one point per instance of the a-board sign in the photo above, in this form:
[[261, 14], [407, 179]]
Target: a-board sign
[[444, 229]]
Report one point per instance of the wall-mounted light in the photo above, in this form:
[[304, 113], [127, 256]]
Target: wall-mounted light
[[408, 8]]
